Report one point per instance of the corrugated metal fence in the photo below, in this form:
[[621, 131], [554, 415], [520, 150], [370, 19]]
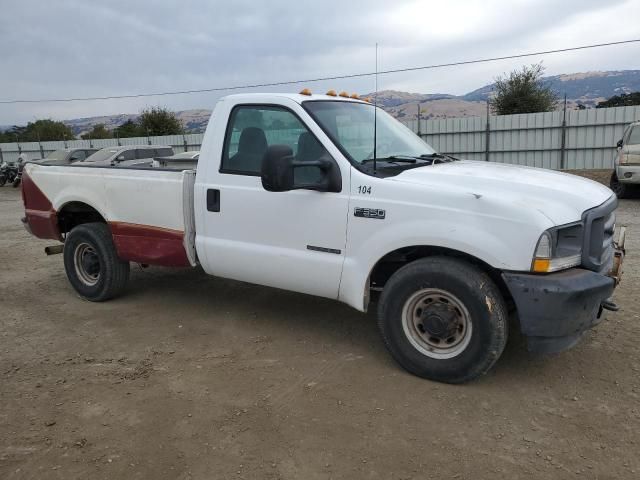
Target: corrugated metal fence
[[180, 143], [583, 139]]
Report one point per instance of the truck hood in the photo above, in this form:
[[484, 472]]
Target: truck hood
[[561, 197]]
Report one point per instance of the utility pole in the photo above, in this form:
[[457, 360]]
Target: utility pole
[[563, 137], [487, 136], [419, 134]]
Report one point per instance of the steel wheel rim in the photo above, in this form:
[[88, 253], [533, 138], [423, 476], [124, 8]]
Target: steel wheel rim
[[437, 323], [87, 264]]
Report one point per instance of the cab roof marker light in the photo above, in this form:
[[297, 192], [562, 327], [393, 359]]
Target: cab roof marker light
[[305, 91], [332, 93], [344, 94], [355, 96]]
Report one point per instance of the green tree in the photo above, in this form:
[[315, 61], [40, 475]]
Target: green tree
[[98, 131], [623, 100], [43, 130], [523, 91], [159, 121], [129, 129]]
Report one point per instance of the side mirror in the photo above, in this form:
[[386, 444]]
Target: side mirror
[[619, 144], [277, 173]]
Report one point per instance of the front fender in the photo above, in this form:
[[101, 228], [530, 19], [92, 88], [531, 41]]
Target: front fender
[[502, 247]]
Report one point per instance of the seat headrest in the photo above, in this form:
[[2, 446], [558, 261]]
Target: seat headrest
[[253, 141]]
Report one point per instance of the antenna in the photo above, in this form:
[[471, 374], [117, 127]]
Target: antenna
[[375, 116]]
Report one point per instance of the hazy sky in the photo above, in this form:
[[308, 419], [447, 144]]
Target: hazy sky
[[71, 48]]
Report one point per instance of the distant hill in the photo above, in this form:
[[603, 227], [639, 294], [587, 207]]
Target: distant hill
[[194, 121], [587, 89]]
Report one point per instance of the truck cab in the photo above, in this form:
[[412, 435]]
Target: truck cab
[[330, 196]]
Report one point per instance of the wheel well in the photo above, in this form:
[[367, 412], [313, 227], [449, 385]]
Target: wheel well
[[393, 261], [73, 214]]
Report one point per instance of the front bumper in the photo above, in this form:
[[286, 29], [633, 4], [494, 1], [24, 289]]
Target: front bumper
[[556, 309], [628, 173]]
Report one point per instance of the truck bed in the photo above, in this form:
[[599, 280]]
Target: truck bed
[[149, 211]]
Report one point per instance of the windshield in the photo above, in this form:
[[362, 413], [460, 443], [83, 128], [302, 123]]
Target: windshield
[[350, 125], [101, 155], [57, 155]]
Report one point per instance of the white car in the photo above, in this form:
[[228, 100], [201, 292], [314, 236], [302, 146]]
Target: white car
[[293, 192]]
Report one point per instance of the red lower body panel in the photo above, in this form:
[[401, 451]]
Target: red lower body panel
[[40, 216], [151, 245]]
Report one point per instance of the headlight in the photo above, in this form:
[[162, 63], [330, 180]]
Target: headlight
[[558, 248]]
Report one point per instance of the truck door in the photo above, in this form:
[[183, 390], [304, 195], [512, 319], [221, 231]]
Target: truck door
[[292, 240]]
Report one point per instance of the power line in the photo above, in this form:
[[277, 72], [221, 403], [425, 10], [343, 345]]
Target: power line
[[321, 79]]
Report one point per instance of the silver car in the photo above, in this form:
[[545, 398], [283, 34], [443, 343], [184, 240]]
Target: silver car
[[128, 156], [67, 156], [626, 175]]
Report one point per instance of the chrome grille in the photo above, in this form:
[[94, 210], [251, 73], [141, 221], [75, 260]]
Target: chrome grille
[[599, 223]]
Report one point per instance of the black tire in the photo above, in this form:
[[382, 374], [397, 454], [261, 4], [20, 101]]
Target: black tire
[[468, 290], [3, 180], [16, 182], [620, 189], [92, 264]]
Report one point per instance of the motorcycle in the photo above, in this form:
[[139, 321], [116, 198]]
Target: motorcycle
[[4, 173], [18, 178], [8, 173]]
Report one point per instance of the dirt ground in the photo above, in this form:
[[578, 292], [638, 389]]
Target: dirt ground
[[188, 376]]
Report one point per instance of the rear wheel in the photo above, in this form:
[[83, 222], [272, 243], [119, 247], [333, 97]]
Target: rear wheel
[[620, 189], [443, 319], [92, 264]]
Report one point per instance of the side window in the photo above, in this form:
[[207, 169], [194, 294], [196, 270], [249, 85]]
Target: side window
[[634, 136], [254, 128], [127, 155], [142, 153], [77, 156], [164, 152]]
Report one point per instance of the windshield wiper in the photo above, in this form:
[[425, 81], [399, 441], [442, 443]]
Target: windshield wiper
[[437, 156], [393, 158]]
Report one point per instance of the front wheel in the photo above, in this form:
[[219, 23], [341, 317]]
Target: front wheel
[[620, 189], [443, 319], [92, 264]]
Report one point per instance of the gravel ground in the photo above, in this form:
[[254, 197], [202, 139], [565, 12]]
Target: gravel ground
[[188, 376]]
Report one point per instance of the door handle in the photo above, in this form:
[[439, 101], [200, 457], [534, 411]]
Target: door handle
[[213, 200]]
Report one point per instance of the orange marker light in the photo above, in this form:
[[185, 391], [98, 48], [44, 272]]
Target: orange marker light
[[355, 96], [306, 91], [332, 93], [541, 265], [344, 94]]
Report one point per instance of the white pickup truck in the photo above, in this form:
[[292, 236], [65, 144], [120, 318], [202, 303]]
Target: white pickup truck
[[320, 195]]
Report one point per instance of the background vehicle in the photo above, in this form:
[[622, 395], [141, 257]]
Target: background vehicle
[[67, 156], [293, 193], [181, 161], [8, 173], [626, 173], [128, 156]]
